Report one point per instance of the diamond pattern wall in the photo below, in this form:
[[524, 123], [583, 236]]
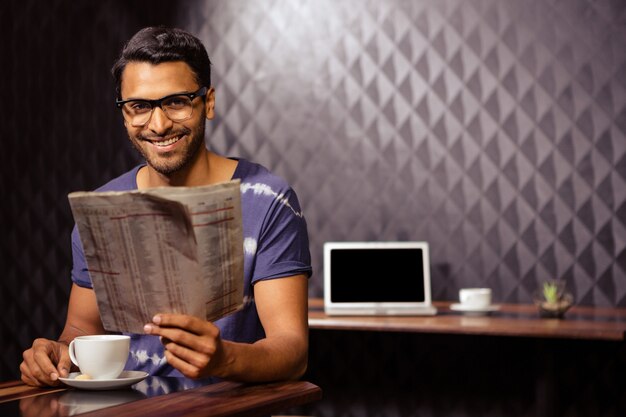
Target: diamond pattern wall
[[492, 129]]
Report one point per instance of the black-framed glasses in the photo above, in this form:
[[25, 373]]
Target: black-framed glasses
[[177, 107]]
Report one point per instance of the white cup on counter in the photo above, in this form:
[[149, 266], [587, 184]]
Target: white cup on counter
[[475, 297]]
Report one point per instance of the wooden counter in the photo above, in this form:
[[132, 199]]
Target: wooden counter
[[219, 399], [510, 320]]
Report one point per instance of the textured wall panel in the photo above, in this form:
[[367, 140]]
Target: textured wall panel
[[492, 129]]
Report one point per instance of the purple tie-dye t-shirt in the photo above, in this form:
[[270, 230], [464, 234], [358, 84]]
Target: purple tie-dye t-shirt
[[275, 245]]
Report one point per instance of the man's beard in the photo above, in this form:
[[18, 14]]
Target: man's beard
[[167, 166]]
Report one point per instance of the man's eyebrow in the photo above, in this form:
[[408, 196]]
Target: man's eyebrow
[[160, 98]]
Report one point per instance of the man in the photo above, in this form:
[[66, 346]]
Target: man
[[165, 95]]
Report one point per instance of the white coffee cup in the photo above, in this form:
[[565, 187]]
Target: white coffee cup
[[475, 297], [100, 356]]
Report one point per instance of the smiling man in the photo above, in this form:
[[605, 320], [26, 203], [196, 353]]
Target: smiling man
[[164, 90]]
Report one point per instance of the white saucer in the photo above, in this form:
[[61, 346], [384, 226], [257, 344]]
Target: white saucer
[[126, 379], [474, 310]]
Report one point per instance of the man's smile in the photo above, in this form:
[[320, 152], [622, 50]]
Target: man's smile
[[165, 142]]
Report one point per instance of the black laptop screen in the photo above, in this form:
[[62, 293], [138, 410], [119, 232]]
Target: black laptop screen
[[377, 275]]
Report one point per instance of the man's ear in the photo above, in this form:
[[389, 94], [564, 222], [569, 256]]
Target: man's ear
[[209, 104]]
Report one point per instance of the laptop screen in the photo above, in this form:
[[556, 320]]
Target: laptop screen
[[377, 275], [381, 278]]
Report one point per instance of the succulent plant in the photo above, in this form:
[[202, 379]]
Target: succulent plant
[[551, 292]]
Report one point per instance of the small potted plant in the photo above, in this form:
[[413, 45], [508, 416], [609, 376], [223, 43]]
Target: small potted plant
[[552, 299]]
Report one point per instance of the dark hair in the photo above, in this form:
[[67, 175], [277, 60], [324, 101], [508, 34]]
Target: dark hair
[[161, 44]]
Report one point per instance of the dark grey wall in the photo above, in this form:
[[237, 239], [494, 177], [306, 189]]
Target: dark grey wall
[[61, 133], [493, 129]]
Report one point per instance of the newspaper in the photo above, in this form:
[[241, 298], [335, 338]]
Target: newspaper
[[162, 250]]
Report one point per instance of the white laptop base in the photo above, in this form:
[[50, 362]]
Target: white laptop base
[[381, 311]]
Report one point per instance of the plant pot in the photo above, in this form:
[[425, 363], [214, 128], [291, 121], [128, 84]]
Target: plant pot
[[553, 309]]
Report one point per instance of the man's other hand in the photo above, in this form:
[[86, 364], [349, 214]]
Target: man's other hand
[[45, 362]]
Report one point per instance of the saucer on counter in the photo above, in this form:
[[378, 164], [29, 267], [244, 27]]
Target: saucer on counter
[[126, 379], [467, 309]]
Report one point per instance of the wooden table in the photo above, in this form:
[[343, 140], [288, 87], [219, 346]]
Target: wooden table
[[510, 320], [219, 399]]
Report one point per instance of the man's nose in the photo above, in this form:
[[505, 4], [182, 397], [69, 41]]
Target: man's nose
[[159, 122]]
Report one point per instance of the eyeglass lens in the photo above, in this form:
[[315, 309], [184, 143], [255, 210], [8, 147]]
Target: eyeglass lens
[[176, 108]]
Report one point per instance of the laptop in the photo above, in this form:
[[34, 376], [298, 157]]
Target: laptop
[[377, 278]]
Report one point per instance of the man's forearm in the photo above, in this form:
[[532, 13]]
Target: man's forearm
[[282, 357]]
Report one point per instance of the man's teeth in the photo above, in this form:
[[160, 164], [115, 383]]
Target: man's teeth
[[167, 142]]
